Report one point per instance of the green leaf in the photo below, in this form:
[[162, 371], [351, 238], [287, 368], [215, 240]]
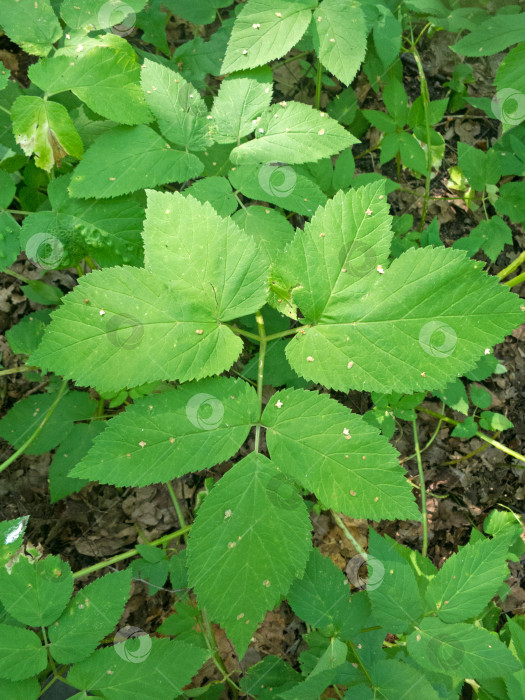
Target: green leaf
[[268, 676], [468, 580], [407, 335], [349, 240], [117, 349], [45, 129], [387, 36], [494, 421], [339, 34], [28, 689], [127, 159], [106, 79], [36, 592], [380, 120], [240, 566], [460, 650], [295, 133], [455, 396], [322, 599], [9, 240], [511, 201], [217, 191], [280, 185], [396, 101], [153, 20], [394, 680], [11, 537], [98, 14], [481, 169], [27, 414], [343, 107], [180, 110], [480, 396], [202, 12], [7, 189], [167, 435], [230, 281], [89, 617], [270, 230], [263, 32], [489, 235], [159, 669], [69, 453], [24, 337], [394, 595], [321, 444], [510, 81], [21, 654], [33, 26], [492, 36], [465, 430]]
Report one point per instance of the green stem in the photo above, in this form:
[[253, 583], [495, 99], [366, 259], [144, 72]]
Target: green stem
[[513, 266], [16, 370], [349, 535], [515, 280], [212, 645], [18, 276], [318, 85], [423, 490], [19, 211], [176, 504], [39, 429], [429, 443], [482, 436], [426, 101], [236, 195], [260, 372], [268, 338], [130, 553], [289, 60]]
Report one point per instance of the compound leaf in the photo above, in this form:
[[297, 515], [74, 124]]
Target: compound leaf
[[241, 565], [261, 33], [164, 436], [295, 133], [130, 158], [334, 453], [198, 252], [89, 617], [339, 34], [122, 327]]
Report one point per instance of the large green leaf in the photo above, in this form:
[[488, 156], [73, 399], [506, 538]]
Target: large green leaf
[[460, 650], [28, 689], [509, 105], [167, 435], [36, 592], [339, 33], [197, 252], [395, 597], [394, 680], [337, 455], [250, 539], [127, 159], [493, 35], [265, 30], [293, 132], [99, 14], [241, 99], [157, 670], [31, 24], [418, 326], [180, 110], [118, 329], [45, 128], [89, 617], [469, 579], [106, 79], [21, 653], [322, 599]]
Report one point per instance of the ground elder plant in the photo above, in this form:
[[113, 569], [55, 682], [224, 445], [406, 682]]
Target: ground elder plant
[[234, 279]]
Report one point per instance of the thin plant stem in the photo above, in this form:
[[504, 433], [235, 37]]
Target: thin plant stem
[[513, 266], [176, 504], [463, 457], [130, 553], [289, 60], [479, 434], [318, 85], [515, 280], [16, 370], [423, 490], [260, 372], [429, 443], [18, 276], [19, 211], [349, 535], [38, 430], [211, 642]]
